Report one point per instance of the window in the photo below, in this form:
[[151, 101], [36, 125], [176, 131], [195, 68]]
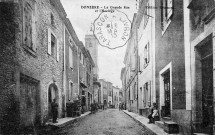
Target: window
[[70, 58], [131, 93], [90, 68], [88, 79], [80, 57], [70, 91], [83, 60], [135, 91], [53, 49], [166, 13], [147, 94], [29, 29], [146, 55], [53, 45], [202, 12], [52, 20]]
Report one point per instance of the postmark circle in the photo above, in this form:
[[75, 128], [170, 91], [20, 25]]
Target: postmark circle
[[112, 29]]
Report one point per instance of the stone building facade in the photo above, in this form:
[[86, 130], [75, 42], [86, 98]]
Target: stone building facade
[[86, 75], [199, 62], [104, 92], [71, 64], [89, 75], [116, 101], [123, 79], [170, 64], [110, 93], [34, 70], [131, 69], [91, 44], [41, 59], [180, 67]]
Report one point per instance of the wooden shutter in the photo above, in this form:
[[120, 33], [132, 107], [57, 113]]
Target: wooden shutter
[[133, 62], [148, 53], [70, 58], [49, 42], [149, 93], [162, 16], [131, 93], [34, 33], [144, 96], [134, 91], [145, 55], [169, 8], [57, 47]]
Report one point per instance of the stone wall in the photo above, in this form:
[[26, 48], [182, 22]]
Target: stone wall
[[9, 37], [183, 119], [51, 68], [30, 59]]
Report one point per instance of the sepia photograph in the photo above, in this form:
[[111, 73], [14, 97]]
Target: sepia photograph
[[107, 67]]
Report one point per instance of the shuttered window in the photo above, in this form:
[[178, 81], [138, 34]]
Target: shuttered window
[[53, 45], [146, 55], [147, 94], [166, 13], [29, 27], [70, 58]]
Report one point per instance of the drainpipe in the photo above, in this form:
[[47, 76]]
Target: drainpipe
[[64, 67], [137, 65]]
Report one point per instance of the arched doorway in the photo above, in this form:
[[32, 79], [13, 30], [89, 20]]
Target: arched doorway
[[52, 94]]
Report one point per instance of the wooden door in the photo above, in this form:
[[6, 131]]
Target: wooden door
[[167, 93], [207, 93], [28, 102]]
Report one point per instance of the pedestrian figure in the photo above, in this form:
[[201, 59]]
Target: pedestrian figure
[[119, 106], [54, 110], [154, 112]]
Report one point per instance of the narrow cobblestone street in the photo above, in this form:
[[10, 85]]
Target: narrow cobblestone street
[[107, 122]]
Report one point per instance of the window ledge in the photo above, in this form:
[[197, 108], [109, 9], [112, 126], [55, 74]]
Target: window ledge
[[146, 65], [30, 51], [209, 16], [167, 25], [52, 57]]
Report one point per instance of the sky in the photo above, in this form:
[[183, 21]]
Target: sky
[[110, 62]]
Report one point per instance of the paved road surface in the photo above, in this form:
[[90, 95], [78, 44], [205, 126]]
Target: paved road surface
[[107, 122]]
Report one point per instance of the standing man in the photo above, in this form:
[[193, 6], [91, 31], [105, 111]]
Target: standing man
[[54, 109]]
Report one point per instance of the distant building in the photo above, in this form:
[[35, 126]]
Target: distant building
[[104, 92], [121, 96], [96, 92], [71, 65], [123, 79], [91, 43], [110, 93], [116, 101], [86, 65], [131, 69]]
